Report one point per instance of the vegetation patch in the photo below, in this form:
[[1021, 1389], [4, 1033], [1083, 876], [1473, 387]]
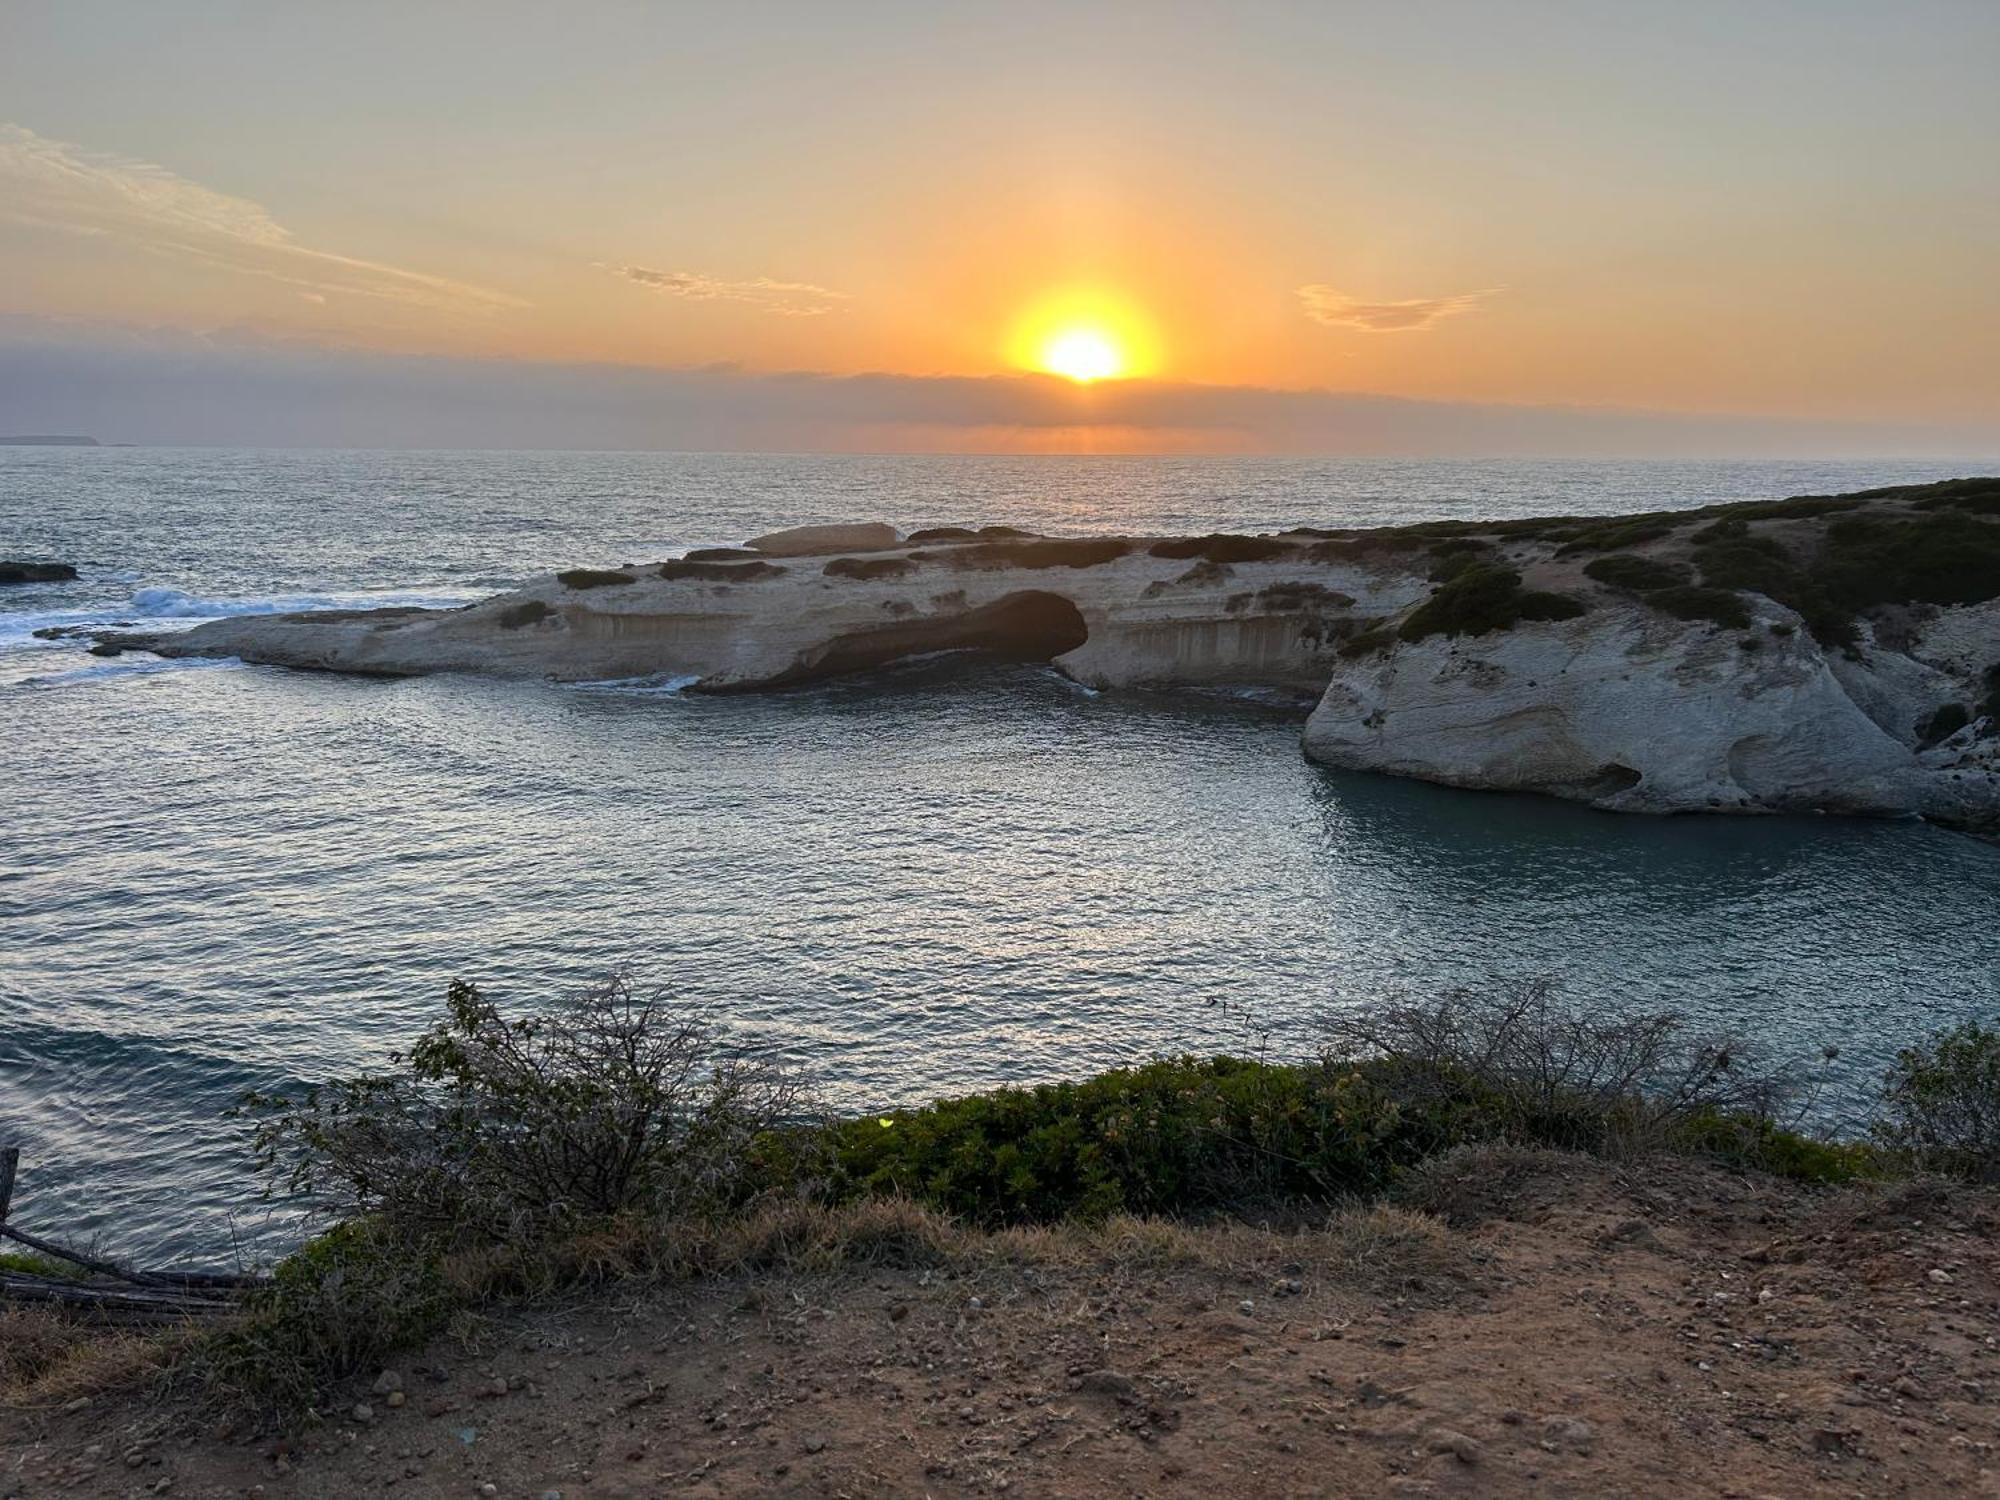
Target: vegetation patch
[[1978, 496], [1483, 598], [1689, 602], [1294, 596], [1086, 552], [1945, 557], [593, 578], [865, 568], [722, 554], [527, 612], [1625, 531], [1628, 570], [718, 572], [1221, 548], [943, 534], [1941, 1104]]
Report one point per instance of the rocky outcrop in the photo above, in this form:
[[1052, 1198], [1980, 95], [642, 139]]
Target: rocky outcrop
[[36, 572], [1633, 711], [1836, 653]]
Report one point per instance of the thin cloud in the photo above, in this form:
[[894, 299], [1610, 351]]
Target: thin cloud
[[54, 185], [1325, 304], [790, 299]]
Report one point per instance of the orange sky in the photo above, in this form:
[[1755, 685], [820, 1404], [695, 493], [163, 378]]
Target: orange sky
[[1783, 209]]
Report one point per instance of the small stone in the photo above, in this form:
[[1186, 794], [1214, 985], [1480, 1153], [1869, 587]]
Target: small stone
[[363, 1412], [898, 1313], [497, 1386], [1247, 1306], [79, 1404], [1107, 1383], [489, 1489], [395, 1398], [815, 1444], [387, 1382], [1940, 1276], [974, 1303], [1559, 1433], [1465, 1449]]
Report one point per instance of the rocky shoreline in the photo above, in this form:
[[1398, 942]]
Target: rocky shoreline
[[1825, 653]]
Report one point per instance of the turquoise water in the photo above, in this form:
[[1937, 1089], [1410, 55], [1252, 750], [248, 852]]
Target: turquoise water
[[214, 877]]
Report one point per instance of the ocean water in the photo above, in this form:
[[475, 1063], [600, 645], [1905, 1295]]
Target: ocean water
[[945, 875]]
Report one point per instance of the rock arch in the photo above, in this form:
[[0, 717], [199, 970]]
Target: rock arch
[[1033, 625]]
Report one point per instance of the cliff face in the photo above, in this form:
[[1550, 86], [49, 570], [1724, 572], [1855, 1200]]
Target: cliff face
[[1636, 712], [1840, 653]]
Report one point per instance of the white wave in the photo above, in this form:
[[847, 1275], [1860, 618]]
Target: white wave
[[176, 608], [174, 604], [658, 685], [116, 668]]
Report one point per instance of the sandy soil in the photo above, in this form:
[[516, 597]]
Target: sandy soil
[[1578, 1331]]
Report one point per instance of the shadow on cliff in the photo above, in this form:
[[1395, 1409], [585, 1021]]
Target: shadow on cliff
[[1031, 626]]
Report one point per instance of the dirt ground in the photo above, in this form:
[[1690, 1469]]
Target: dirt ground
[[1578, 1330]]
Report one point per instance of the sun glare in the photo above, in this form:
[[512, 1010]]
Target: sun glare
[[1083, 355], [1084, 335]]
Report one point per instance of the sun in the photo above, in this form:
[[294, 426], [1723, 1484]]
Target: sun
[[1084, 334], [1083, 355]]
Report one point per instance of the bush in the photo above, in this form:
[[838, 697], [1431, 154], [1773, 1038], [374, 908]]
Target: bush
[[592, 578], [1220, 548], [1943, 558], [1172, 1136], [1628, 570], [1482, 598], [1084, 553], [527, 612], [1720, 606], [866, 568], [718, 572], [1941, 1103], [619, 1102], [1516, 1063]]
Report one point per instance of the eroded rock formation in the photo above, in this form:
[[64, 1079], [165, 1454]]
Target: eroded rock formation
[[1839, 653]]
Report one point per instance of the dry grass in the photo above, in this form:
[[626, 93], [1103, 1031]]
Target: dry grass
[[48, 1360]]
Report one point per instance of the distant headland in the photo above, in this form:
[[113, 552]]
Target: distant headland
[[49, 440]]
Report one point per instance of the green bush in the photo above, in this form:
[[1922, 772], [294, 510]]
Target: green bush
[[1941, 1103], [592, 578], [718, 572], [1943, 558], [527, 612], [1628, 570], [1086, 552], [1172, 1136], [1222, 548], [1482, 598], [1689, 602]]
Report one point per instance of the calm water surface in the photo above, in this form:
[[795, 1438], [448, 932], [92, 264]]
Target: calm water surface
[[215, 877]]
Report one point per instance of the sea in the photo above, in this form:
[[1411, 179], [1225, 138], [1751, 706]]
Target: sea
[[940, 877]]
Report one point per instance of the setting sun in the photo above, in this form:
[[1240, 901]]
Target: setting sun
[[1084, 334], [1083, 355]]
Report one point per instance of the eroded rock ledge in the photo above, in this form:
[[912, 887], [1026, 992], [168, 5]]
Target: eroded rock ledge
[[1826, 652]]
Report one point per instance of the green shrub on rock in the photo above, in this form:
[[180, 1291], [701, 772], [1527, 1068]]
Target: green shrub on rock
[[1483, 598], [1628, 570], [592, 578]]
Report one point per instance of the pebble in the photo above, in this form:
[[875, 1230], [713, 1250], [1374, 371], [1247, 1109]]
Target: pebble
[[388, 1382], [396, 1398], [815, 1444], [1465, 1449], [489, 1489], [1572, 1433], [1941, 1276], [363, 1412]]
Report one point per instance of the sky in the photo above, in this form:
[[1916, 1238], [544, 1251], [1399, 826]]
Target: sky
[[1506, 226]]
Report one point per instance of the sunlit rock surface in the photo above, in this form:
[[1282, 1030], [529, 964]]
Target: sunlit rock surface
[[1833, 653]]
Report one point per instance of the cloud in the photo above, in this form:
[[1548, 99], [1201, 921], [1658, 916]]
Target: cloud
[[791, 299], [1338, 310], [53, 185], [127, 384]]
